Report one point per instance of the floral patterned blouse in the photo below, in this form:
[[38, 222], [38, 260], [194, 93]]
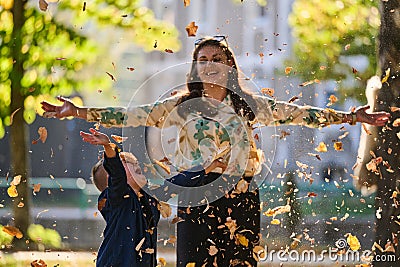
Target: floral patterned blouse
[[223, 135]]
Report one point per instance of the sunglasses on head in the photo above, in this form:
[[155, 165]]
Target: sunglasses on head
[[218, 38]]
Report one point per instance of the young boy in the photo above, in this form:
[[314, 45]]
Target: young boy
[[131, 215]]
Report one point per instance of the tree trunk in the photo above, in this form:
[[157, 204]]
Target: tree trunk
[[18, 136], [388, 147]]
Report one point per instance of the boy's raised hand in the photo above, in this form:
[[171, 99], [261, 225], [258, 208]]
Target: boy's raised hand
[[95, 137]]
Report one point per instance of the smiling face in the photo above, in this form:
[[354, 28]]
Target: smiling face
[[213, 65], [135, 177]]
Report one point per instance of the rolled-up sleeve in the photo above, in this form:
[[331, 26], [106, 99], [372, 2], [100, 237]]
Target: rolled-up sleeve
[[159, 114], [272, 112]]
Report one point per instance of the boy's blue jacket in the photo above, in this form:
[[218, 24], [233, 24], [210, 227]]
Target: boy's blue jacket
[[129, 219]]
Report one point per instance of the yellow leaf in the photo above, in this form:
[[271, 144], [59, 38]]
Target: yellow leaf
[[321, 147], [387, 74], [353, 242], [338, 146], [12, 191], [162, 261], [242, 240], [275, 222], [191, 264]]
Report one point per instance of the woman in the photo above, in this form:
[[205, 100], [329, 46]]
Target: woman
[[215, 119]]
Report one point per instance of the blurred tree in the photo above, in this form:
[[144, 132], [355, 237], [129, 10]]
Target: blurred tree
[[387, 142], [328, 34], [43, 51]]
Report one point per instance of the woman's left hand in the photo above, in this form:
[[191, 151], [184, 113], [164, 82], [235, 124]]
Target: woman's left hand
[[379, 118]]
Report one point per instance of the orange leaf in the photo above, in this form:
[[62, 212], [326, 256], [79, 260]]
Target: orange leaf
[[101, 204], [43, 5], [13, 231], [338, 146], [42, 131], [118, 139], [39, 263], [168, 50], [186, 3], [268, 91], [321, 147], [288, 70], [191, 29], [12, 191]]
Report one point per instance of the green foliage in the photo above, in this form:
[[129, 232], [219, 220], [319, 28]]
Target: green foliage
[[50, 238], [57, 50], [327, 32], [5, 239]]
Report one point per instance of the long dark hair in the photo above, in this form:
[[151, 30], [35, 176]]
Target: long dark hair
[[242, 101]]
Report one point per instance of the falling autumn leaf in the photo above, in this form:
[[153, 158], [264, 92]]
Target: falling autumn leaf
[[338, 146], [36, 188], [347, 47], [268, 91], [288, 70], [373, 164], [111, 76], [163, 166], [101, 204], [43, 5], [396, 122], [12, 191], [212, 250], [321, 147], [165, 209], [12, 115], [42, 131], [310, 82], [365, 128], [168, 50], [242, 240], [277, 210], [191, 29], [16, 180], [353, 242], [140, 244], [119, 139], [186, 3], [394, 109], [275, 222], [13, 231], [191, 264], [332, 100], [130, 68], [387, 74], [162, 261]]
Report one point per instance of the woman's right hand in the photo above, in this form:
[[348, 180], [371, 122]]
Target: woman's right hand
[[67, 109]]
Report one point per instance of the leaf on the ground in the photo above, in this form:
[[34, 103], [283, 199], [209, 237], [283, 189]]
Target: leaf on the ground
[[43, 5], [13, 231], [38, 263], [191, 29]]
